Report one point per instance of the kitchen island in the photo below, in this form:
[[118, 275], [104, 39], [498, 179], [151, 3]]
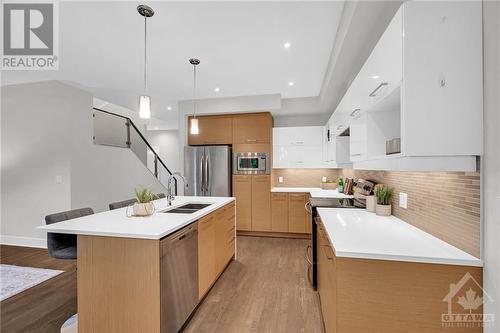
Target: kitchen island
[[381, 274], [127, 267]]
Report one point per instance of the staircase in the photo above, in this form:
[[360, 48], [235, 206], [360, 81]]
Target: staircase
[[111, 129]]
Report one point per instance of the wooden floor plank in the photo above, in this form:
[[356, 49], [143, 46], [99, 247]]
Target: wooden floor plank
[[265, 290], [45, 307]]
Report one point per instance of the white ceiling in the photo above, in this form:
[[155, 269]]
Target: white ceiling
[[240, 45]]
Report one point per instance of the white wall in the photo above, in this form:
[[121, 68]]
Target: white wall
[[491, 160], [47, 132], [168, 143]]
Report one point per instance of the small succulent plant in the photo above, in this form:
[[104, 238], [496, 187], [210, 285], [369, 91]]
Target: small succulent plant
[[145, 195], [383, 194]]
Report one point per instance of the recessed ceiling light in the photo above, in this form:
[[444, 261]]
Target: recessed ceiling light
[[287, 45], [291, 83], [169, 108], [375, 77], [217, 89]]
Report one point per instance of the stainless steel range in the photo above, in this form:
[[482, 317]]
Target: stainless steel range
[[314, 203]]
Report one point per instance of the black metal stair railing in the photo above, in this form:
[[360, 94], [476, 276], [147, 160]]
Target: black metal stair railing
[[111, 129]]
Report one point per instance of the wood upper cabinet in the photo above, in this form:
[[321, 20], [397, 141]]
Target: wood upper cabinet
[[242, 191], [252, 128], [213, 130], [206, 253], [279, 212], [261, 203], [297, 212]]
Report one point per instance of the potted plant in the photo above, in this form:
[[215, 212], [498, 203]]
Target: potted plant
[[144, 205], [384, 199]]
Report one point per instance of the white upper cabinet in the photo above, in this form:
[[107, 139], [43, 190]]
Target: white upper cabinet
[[422, 86], [298, 147], [297, 136]]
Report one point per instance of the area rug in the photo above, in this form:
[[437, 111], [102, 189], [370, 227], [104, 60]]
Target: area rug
[[15, 279]]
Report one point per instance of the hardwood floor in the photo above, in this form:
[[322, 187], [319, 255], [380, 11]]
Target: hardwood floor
[[265, 290], [45, 307]]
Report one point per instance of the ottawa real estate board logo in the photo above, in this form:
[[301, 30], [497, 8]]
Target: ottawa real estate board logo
[[30, 35]]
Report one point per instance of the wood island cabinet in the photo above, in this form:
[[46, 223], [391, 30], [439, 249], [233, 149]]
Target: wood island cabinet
[[123, 283], [216, 245]]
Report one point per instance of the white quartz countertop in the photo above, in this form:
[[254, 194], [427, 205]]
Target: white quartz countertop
[[315, 192], [115, 223], [357, 233]]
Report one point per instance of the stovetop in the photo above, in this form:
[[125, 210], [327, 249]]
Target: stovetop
[[337, 202]]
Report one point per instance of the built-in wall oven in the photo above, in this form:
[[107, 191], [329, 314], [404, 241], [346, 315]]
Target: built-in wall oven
[[251, 163]]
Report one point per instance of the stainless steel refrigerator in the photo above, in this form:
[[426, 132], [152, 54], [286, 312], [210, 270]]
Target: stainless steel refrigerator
[[208, 170]]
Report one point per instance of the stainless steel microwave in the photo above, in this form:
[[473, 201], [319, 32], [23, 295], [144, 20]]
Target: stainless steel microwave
[[251, 163]]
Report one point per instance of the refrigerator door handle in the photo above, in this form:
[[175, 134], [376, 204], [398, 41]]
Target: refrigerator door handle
[[205, 176], [202, 171]]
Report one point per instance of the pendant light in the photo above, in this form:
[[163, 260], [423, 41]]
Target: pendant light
[[195, 129], [145, 100]]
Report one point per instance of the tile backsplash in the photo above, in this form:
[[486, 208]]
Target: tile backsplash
[[302, 177], [444, 204]]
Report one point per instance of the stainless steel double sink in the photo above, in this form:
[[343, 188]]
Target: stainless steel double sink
[[188, 208]]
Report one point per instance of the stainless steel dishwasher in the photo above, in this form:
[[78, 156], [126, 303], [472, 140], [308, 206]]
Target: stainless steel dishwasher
[[179, 277]]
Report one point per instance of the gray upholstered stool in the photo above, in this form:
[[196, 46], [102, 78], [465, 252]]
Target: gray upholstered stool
[[121, 204], [63, 246]]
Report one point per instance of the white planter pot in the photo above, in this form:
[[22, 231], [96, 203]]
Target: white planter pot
[[143, 209], [383, 210]]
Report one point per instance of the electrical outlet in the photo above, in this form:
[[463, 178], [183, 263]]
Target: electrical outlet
[[403, 200], [58, 179], [280, 179]]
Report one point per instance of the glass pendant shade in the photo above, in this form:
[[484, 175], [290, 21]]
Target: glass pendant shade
[[144, 107], [194, 126]]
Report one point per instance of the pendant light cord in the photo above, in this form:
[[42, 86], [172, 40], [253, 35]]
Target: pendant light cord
[[194, 90], [145, 54]]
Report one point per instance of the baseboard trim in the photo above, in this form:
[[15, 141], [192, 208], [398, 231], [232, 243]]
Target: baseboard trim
[[23, 241]]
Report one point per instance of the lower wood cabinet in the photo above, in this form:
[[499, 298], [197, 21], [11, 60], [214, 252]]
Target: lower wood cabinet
[[296, 213], [289, 214], [279, 212], [363, 295], [261, 203], [253, 199], [242, 191], [216, 245]]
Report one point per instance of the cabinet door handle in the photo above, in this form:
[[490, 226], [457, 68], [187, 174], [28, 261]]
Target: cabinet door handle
[[374, 92], [326, 252], [251, 140], [299, 142], [308, 207]]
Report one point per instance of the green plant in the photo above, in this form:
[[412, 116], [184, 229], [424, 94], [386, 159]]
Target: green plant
[[383, 194], [145, 195]]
